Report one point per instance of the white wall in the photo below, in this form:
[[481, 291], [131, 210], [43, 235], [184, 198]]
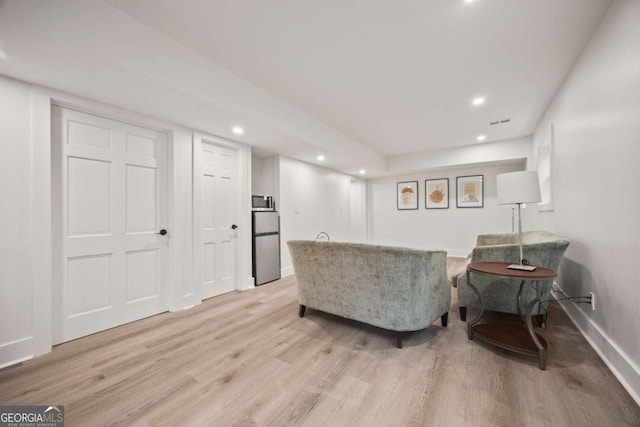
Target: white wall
[[265, 177], [358, 207], [27, 291], [312, 199], [596, 172], [454, 229], [457, 157], [256, 175], [25, 268]]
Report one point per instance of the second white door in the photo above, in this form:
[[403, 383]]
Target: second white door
[[218, 219]]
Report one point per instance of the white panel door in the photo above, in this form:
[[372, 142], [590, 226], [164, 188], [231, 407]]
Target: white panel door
[[114, 201], [218, 183]]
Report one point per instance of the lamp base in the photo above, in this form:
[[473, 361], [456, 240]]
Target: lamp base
[[521, 267]]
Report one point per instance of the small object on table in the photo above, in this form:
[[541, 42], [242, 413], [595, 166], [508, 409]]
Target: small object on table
[[511, 337], [523, 267]]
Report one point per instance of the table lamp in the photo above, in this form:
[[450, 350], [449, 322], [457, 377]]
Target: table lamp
[[516, 188]]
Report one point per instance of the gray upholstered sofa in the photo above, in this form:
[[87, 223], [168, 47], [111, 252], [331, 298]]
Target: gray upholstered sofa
[[540, 248], [399, 289]]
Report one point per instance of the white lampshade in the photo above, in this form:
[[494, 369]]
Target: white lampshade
[[518, 187]]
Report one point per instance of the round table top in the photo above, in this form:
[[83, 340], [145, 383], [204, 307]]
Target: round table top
[[500, 269]]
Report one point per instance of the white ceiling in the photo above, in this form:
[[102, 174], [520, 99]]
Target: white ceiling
[[356, 80]]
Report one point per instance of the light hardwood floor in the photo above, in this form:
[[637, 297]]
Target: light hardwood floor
[[247, 359]]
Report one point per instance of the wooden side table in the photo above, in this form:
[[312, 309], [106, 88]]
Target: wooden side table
[[511, 337]]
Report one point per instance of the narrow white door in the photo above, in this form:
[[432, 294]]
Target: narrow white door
[[218, 234], [113, 202]]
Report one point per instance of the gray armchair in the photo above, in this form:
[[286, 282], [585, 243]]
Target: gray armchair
[[541, 248]]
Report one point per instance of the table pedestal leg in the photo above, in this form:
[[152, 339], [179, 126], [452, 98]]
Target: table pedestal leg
[[476, 319], [532, 332], [519, 301]]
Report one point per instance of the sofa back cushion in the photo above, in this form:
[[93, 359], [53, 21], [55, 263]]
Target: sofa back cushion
[[385, 286], [540, 248]]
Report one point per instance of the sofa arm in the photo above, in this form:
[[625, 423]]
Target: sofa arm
[[542, 254], [459, 272], [498, 253]]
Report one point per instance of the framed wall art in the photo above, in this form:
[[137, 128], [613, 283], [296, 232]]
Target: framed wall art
[[436, 193], [470, 191], [407, 195]]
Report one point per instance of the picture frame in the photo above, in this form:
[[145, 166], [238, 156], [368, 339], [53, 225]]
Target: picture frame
[[407, 195], [470, 191], [436, 193]]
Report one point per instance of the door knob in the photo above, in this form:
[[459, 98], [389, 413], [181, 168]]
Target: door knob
[[233, 227], [162, 232]]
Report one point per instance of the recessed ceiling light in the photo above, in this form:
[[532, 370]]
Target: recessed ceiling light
[[320, 158], [481, 137], [469, 1], [237, 130], [478, 101], [362, 171]]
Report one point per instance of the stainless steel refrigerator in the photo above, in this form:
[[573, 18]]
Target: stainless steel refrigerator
[[266, 247]]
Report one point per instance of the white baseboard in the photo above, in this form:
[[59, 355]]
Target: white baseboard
[[15, 362], [287, 271], [249, 283], [14, 352], [618, 362]]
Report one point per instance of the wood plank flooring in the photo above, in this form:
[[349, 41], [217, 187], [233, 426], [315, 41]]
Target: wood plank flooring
[[246, 359]]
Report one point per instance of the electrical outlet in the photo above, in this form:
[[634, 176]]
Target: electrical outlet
[[593, 301]]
